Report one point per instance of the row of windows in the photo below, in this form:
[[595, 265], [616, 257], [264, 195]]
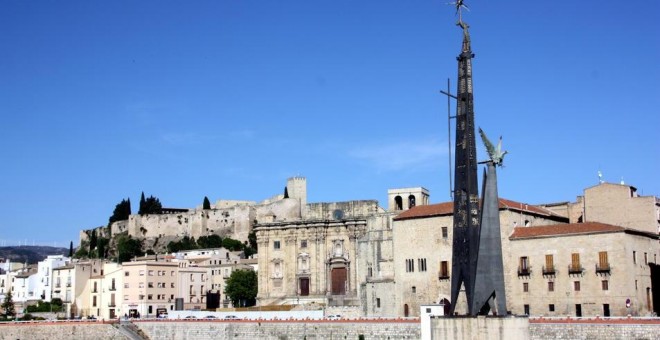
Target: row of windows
[[278, 244], [410, 265], [151, 285], [574, 266], [150, 273], [578, 309], [605, 285]]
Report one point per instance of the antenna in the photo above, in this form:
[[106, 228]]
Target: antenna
[[449, 118]]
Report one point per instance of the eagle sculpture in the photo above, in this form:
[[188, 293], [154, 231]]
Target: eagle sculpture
[[495, 153]]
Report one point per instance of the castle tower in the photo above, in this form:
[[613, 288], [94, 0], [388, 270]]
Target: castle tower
[[466, 226], [297, 188], [406, 198]]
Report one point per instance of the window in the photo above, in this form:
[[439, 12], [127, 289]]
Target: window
[[172, 285], [444, 270], [377, 302], [551, 286], [93, 301], [549, 268], [525, 287], [276, 244], [141, 272], [634, 257], [421, 263], [303, 244], [141, 285], [150, 297], [445, 232], [551, 307], [606, 309], [411, 201], [414, 289], [125, 297], [575, 264], [646, 258], [576, 286], [125, 285], [141, 297], [523, 267], [369, 272], [526, 307], [605, 285], [150, 285], [172, 273], [126, 273], [410, 265], [151, 273], [398, 202]]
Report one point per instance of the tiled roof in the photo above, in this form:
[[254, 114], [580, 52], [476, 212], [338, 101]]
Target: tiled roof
[[447, 208], [521, 232]]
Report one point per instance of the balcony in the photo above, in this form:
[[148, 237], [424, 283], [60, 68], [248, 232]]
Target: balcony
[[602, 268], [113, 288], [524, 271], [549, 271], [443, 276], [575, 269], [111, 304], [68, 284]]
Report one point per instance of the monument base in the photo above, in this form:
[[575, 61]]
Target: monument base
[[480, 327]]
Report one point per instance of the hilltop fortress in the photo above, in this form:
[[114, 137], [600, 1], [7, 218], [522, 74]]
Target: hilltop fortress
[[230, 218]]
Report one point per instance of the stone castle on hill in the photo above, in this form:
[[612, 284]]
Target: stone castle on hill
[[230, 218]]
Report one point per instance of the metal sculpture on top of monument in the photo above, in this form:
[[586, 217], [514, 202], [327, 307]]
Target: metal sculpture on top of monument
[[477, 249]]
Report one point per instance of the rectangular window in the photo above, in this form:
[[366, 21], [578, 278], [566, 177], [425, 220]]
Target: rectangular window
[[151, 273], [421, 264], [126, 273], [93, 301], [150, 297], [549, 264], [551, 286], [141, 285], [605, 284], [523, 266], [634, 257], [525, 287], [551, 307], [276, 244], [150, 285], [125, 285], [575, 263], [444, 270], [378, 302], [576, 286], [526, 307], [125, 297], [141, 272], [303, 244], [445, 232], [646, 258]]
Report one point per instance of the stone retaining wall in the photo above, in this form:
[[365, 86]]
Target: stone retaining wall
[[281, 330], [595, 328], [58, 330]]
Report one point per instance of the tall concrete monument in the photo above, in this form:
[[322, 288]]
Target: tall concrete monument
[[476, 258]]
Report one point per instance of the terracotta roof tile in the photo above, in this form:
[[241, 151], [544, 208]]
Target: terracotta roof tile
[[521, 232], [447, 208]]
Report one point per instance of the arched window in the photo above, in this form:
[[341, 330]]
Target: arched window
[[398, 203], [411, 201]]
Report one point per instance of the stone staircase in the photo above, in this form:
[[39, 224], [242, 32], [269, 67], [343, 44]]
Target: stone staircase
[[131, 331]]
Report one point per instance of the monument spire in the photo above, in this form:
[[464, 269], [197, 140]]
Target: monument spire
[[466, 226]]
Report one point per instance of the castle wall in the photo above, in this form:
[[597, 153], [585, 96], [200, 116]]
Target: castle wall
[[350, 209]]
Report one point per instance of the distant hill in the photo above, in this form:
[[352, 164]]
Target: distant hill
[[30, 254]]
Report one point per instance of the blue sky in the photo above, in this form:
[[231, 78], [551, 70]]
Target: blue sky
[[101, 100]]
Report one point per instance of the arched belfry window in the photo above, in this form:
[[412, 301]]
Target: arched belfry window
[[411, 201], [398, 203]]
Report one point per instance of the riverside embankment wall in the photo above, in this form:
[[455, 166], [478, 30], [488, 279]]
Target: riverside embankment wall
[[42, 330]]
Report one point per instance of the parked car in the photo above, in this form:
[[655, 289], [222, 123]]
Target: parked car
[[231, 317], [333, 317]]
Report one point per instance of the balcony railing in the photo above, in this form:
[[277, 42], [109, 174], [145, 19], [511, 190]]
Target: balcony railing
[[111, 304], [550, 270], [603, 268], [443, 276], [575, 269], [113, 288], [524, 271]]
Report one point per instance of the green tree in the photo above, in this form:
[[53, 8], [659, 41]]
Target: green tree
[[142, 204], [150, 206], [71, 249], [8, 306], [127, 248], [232, 245], [186, 243], [211, 241], [102, 247], [92, 241], [207, 204], [122, 211], [241, 288]]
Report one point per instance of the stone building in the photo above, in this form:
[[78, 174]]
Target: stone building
[[422, 244], [582, 269]]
